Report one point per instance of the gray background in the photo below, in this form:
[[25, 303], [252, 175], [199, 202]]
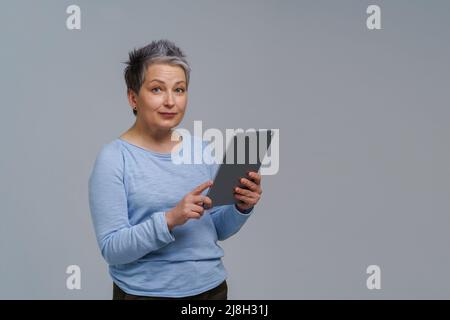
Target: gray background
[[364, 124]]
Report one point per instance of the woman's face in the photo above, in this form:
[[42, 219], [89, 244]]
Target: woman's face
[[162, 99]]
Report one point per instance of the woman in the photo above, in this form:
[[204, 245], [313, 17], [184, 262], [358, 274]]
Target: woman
[[147, 211]]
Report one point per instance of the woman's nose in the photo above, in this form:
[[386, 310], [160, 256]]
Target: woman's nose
[[169, 100]]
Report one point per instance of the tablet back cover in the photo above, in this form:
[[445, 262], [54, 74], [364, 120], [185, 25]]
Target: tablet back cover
[[229, 174]]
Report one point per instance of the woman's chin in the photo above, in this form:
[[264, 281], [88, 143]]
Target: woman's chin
[[167, 125]]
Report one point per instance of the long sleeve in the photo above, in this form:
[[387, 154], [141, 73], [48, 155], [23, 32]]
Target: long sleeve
[[228, 220], [120, 242]]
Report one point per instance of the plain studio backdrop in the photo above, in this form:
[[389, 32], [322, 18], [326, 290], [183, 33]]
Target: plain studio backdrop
[[364, 122]]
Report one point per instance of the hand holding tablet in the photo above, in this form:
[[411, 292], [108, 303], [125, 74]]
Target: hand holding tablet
[[248, 196]]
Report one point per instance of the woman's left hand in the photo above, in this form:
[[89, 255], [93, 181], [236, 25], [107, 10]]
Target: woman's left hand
[[247, 198]]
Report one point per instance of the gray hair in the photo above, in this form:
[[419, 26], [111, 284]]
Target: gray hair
[[161, 51]]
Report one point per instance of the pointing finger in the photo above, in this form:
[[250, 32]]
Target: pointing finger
[[202, 187]]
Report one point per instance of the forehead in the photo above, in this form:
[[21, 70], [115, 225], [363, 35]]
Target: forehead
[[165, 72]]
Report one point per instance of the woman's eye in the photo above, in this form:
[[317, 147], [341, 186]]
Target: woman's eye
[[157, 88], [180, 90]]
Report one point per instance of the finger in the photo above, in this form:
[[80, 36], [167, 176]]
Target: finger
[[198, 199], [198, 209], [201, 200], [202, 187], [246, 200], [207, 202], [245, 192], [249, 184], [194, 215], [255, 176]]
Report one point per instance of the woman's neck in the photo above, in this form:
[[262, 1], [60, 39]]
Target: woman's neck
[[156, 140]]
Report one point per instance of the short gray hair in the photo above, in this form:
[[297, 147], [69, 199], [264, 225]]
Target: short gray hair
[[161, 51]]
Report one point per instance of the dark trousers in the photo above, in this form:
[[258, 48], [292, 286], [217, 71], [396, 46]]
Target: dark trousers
[[218, 293]]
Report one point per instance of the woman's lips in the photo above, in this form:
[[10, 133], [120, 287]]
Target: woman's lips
[[167, 114]]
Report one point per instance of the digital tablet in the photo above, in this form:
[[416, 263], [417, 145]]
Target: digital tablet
[[245, 152]]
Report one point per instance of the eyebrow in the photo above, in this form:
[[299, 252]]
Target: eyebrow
[[165, 83]]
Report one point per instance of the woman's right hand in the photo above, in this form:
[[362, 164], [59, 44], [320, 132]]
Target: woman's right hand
[[190, 207]]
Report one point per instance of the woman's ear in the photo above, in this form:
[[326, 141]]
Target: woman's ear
[[132, 99]]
